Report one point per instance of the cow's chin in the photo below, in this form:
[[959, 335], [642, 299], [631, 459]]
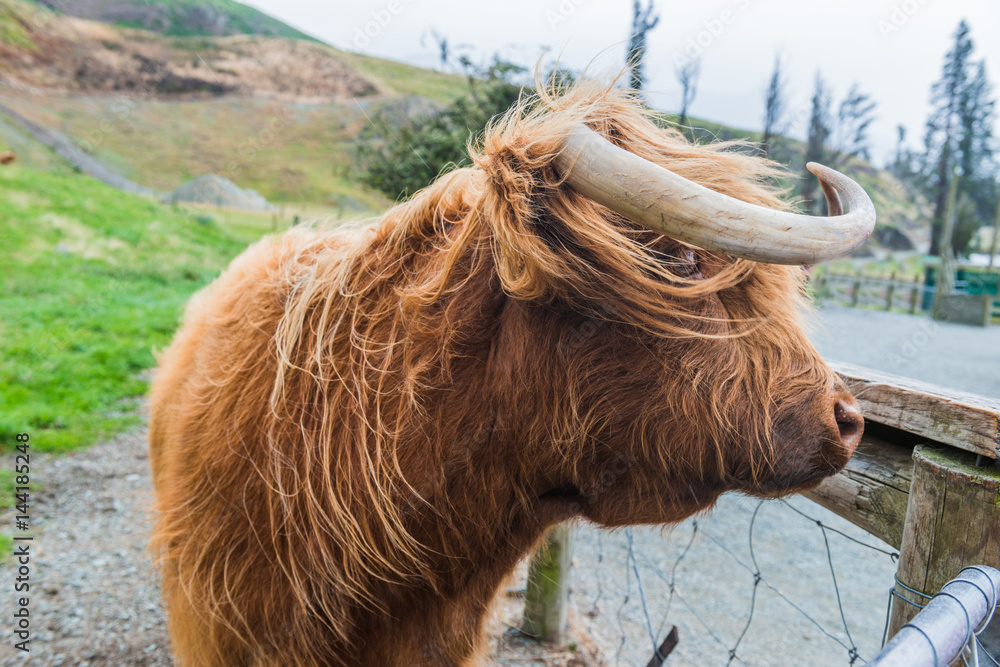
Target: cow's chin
[[617, 509], [800, 469]]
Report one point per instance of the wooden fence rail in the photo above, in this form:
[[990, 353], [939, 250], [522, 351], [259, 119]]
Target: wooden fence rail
[[886, 293], [889, 293], [925, 479]]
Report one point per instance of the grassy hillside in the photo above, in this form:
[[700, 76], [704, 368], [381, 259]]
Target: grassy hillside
[[286, 152], [217, 100], [272, 114], [93, 281], [398, 79], [29, 152], [45, 50], [179, 18]]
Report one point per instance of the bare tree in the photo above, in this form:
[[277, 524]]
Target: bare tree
[[687, 76], [819, 132], [775, 105], [643, 20], [854, 115], [440, 41], [901, 166]]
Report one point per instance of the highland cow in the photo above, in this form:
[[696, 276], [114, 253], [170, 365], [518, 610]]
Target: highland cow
[[356, 436]]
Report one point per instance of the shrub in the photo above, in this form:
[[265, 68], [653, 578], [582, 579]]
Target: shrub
[[402, 152]]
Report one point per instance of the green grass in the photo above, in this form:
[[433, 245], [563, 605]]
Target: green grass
[[12, 27], [29, 152], [7, 487], [94, 280], [186, 18], [402, 79], [287, 152], [6, 500]]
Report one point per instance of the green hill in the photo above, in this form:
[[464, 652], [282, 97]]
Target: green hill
[[179, 18], [182, 97], [273, 114]]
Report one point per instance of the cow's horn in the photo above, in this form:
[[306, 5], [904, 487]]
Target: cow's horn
[[668, 204]]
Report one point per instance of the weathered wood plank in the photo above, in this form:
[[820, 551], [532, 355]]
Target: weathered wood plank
[[952, 417], [872, 492]]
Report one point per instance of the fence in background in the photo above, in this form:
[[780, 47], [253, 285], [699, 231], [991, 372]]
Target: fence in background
[[900, 293], [925, 481], [873, 292]]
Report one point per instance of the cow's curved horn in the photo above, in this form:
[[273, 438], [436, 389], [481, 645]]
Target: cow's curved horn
[[668, 204]]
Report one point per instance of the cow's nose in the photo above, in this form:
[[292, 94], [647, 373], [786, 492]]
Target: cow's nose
[[850, 423]]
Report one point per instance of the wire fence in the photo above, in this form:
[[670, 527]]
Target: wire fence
[[754, 583]]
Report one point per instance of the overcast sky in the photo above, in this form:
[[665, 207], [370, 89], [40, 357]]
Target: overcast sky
[[893, 48]]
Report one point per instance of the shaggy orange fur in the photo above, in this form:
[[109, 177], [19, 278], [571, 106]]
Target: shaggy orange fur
[[357, 436]]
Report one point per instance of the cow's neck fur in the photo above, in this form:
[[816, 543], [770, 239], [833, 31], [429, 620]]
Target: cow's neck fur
[[511, 483]]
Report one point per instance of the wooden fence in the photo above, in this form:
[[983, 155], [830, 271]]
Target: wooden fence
[[888, 292], [925, 479]]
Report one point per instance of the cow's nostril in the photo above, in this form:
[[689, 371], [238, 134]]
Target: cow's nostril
[[850, 423]]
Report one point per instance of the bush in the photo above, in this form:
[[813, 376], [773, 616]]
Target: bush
[[400, 154]]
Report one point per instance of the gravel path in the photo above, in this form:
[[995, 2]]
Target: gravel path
[[951, 355], [95, 601]]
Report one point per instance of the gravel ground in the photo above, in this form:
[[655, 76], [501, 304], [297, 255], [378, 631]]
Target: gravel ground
[[95, 601]]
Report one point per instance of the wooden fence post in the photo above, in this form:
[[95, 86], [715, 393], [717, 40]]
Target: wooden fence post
[[855, 292], [548, 586], [952, 520]]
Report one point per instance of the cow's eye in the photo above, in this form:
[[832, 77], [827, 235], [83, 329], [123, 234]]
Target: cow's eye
[[681, 262], [686, 265]]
